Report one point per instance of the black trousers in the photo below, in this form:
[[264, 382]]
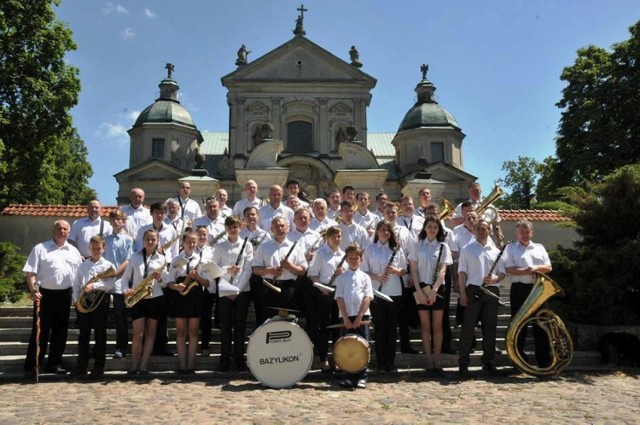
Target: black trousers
[[407, 317], [446, 324], [518, 295], [319, 310], [96, 320], [54, 324], [206, 323], [233, 325], [168, 310], [257, 295], [122, 327], [480, 305], [385, 320]]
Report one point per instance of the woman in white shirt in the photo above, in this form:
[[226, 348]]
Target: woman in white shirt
[[428, 264], [385, 263], [147, 263]]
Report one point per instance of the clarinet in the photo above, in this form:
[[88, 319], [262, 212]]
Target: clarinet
[[239, 257], [483, 288], [335, 274], [286, 257], [386, 269]]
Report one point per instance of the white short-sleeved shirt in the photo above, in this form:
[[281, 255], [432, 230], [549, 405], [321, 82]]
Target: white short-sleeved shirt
[[375, 259], [136, 218], [353, 233], [476, 261], [190, 207], [271, 252], [215, 226], [268, 213], [353, 286], [368, 220], [135, 272], [413, 224], [239, 207], [55, 266], [521, 256], [166, 234], [226, 254], [319, 226], [426, 255], [87, 271], [306, 240], [324, 263], [83, 229]]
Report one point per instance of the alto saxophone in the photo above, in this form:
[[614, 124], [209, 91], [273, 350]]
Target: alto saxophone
[[142, 290], [89, 301], [190, 282]]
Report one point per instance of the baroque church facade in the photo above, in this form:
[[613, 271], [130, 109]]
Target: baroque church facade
[[297, 112]]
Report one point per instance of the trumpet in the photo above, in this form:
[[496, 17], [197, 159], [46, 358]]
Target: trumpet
[[485, 210], [446, 209], [89, 301]]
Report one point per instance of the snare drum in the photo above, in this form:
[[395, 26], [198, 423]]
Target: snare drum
[[279, 354], [351, 353]]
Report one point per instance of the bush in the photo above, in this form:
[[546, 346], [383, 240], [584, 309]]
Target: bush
[[12, 280]]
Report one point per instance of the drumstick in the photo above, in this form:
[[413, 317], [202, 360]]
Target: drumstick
[[341, 325]]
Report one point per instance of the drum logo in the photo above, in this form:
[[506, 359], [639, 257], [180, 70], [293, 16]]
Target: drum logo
[[278, 336]]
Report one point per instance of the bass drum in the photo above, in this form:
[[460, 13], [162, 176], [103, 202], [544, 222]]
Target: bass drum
[[351, 353], [279, 354]]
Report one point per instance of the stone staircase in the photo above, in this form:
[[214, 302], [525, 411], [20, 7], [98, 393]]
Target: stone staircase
[[15, 328]]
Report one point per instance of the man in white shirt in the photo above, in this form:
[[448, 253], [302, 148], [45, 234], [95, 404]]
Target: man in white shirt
[[352, 233], [222, 197], [213, 221], [275, 208], [53, 264], [479, 266], [381, 200], [137, 214], [522, 259], [84, 228], [189, 209], [320, 220], [424, 199], [363, 216], [409, 219], [333, 201], [475, 198], [293, 188], [251, 191]]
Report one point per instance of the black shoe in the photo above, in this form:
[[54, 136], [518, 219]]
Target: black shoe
[[57, 370], [490, 369], [97, 372], [346, 383], [463, 371], [182, 371], [132, 372], [190, 371], [223, 368], [163, 352], [391, 369], [79, 371]]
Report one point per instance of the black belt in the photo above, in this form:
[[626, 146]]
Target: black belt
[[522, 283], [54, 290]]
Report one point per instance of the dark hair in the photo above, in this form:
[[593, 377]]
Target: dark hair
[[232, 221], [333, 230], [347, 203], [292, 181], [157, 206], [353, 248], [250, 207], [393, 242], [344, 189], [423, 233]]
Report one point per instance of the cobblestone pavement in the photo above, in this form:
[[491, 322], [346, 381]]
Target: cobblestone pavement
[[588, 397]]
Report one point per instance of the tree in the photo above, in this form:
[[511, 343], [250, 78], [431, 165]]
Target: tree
[[601, 276], [12, 281], [520, 181], [600, 126], [37, 90]]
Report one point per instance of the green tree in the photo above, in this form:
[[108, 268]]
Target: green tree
[[37, 90], [601, 276], [520, 182], [12, 280], [600, 127]]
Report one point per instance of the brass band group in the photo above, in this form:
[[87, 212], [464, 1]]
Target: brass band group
[[333, 261]]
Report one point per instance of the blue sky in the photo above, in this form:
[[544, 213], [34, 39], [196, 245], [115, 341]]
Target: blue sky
[[496, 64]]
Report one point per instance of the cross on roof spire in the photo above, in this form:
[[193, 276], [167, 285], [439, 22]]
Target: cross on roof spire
[[301, 9]]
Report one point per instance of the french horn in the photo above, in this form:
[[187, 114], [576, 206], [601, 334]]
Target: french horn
[[89, 301], [561, 345]]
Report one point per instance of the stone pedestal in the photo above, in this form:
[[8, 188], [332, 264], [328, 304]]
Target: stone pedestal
[[265, 178], [371, 180], [412, 187], [201, 187]]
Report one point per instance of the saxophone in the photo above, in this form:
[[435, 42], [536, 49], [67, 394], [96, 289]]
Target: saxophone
[[560, 341], [142, 290], [190, 282], [89, 301]]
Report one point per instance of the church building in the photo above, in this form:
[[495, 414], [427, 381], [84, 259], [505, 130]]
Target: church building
[[297, 112]]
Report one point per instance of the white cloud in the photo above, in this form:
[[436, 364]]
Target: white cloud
[[110, 8], [114, 134], [131, 116], [128, 33], [149, 13]]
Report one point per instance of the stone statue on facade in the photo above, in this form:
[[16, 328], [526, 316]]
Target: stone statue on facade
[[267, 131], [351, 133], [424, 69], [355, 57], [299, 30], [242, 56]]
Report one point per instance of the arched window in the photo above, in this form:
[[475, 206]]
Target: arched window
[[299, 136]]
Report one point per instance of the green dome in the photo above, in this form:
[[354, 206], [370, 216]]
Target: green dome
[[426, 112], [167, 108], [165, 111]]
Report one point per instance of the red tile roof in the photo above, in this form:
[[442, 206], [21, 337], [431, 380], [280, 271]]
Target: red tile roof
[[81, 211], [52, 210], [533, 215]]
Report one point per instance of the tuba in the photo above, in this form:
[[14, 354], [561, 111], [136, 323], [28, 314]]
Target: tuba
[[89, 301], [487, 212], [560, 342]]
